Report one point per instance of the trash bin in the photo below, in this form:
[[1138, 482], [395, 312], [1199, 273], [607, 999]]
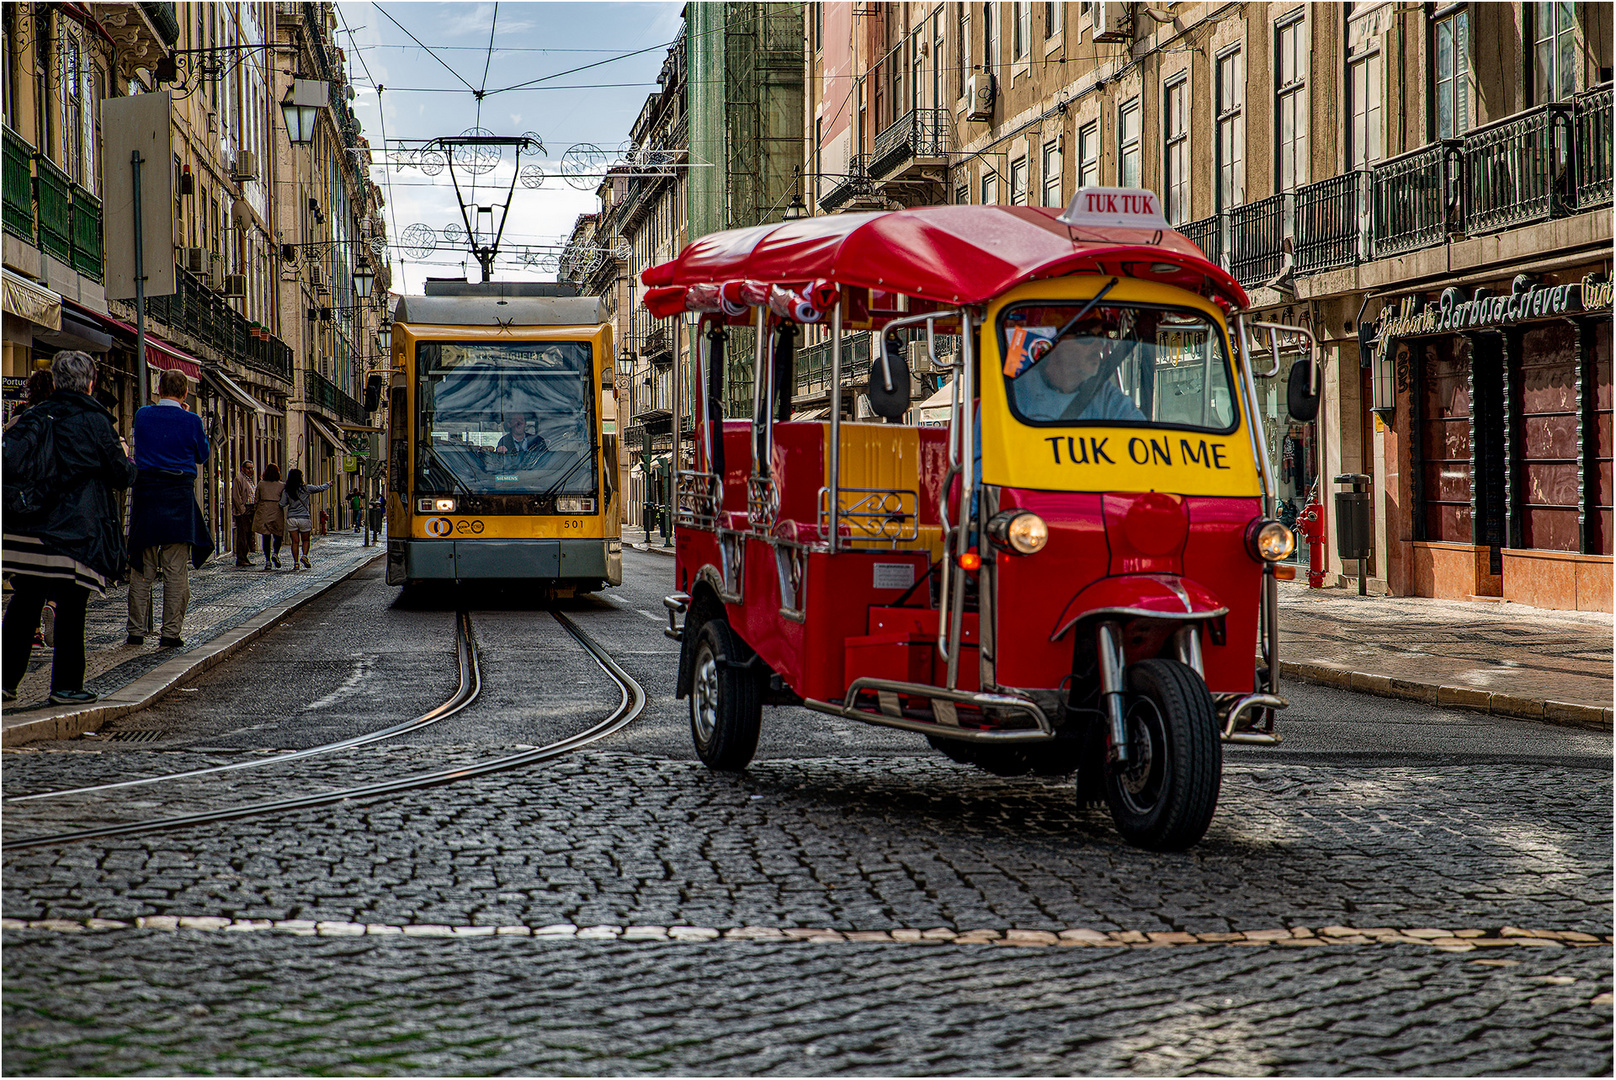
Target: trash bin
[[1352, 522]]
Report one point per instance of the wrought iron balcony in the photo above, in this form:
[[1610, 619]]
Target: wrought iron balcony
[[54, 193], [1257, 240], [855, 184], [17, 185], [325, 394], [206, 316], [813, 364], [1206, 234], [919, 136], [86, 233], [1330, 223], [1413, 197], [1517, 171], [1591, 112]]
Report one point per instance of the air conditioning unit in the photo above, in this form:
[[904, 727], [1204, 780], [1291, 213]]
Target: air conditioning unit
[[195, 260], [981, 89], [235, 285], [919, 359], [1113, 21], [216, 276], [317, 278], [246, 166]]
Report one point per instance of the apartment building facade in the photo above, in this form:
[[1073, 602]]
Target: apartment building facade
[[1361, 169], [237, 322]]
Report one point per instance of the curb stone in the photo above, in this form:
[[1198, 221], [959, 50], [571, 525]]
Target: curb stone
[[147, 689], [1560, 713]]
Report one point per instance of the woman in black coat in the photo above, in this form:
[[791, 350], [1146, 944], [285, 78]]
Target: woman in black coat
[[72, 543]]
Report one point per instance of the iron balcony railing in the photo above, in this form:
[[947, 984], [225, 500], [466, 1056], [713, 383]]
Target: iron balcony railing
[[53, 192], [1413, 197], [17, 186], [1257, 240], [854, 184], [206, 316], [1206, 234], [1330, 223], [86, 216], [1517, 171], [1591, 112], [321, 391], [918, 133], [813, 364]]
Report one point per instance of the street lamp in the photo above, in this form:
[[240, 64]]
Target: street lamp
[[796, 210], [363, 278], [301, 108]]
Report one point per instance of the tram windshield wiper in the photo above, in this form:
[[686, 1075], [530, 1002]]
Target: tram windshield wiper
[[588, 455]]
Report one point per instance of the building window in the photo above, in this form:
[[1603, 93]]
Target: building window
[[1128, 144], [937, 59], [962, 196], [1231, 141], [1088, 155], [1052, 174], [1554, 52], [1363, 78], [1290, 103], [1018, 182], [962, 47], [990, 189], [1021, 37], [1054, 19], [819, 27], [1453, 76], [1176, 158], [990, 46]]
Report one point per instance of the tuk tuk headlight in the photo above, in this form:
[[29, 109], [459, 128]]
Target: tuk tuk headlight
[[1270, 541], [1020, 531]]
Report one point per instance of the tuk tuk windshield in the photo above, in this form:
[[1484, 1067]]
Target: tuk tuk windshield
[[1116, 365]]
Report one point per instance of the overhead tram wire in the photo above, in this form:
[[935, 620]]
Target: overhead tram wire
[[423, 45]]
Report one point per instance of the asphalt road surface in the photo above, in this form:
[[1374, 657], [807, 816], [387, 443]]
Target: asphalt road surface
[[852, 903]]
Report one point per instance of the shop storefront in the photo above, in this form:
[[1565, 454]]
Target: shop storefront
[[1502, 420]]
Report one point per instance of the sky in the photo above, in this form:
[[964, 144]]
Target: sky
[[409, 91]]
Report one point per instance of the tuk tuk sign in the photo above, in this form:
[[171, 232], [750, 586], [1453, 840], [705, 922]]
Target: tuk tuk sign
[[1105, 207]]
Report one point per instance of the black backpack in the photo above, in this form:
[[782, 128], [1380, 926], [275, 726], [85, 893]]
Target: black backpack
[[31, 472]]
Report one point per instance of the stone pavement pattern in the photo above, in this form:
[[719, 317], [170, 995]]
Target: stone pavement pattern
[[223, 597], [1504, 649]]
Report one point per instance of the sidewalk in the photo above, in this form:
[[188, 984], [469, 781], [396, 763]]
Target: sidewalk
[[1502, 658], [229, 607]]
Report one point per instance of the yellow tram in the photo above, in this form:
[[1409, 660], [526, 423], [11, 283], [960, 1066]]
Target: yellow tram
[[501, 450]]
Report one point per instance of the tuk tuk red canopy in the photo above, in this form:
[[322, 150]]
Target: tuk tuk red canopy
[[944, 254]]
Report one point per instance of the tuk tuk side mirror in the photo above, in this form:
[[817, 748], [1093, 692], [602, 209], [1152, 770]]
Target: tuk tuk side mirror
[[1302, 390], [888, 388]]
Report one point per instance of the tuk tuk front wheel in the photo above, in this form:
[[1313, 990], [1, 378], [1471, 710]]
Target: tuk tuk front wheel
[[726, 709], [1164, 797]]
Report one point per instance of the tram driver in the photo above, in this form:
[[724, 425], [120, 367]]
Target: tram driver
[[521, 436]]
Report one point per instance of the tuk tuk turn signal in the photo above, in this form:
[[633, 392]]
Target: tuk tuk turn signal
[[970, 560]]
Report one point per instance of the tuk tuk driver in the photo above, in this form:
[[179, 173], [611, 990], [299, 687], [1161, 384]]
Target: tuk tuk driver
[[1073, 382]]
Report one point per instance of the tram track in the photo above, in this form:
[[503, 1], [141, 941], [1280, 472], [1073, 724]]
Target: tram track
[[631, 704], [466, 691]]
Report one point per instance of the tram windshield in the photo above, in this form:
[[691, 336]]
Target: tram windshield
[[1116, 365], [505, 418]]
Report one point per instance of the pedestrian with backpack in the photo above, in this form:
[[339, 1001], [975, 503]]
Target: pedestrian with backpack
[[62, 463]]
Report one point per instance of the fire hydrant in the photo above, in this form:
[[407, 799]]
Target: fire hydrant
[[1311, 519]]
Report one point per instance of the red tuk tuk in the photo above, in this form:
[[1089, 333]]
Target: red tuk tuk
[[1076, 574]]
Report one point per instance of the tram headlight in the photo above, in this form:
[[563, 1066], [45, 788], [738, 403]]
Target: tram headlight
[[1270, 541], [1020, 531], [443, 506], [566, 505]]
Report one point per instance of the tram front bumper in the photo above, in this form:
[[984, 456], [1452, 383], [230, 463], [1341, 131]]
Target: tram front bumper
[[550, 560]]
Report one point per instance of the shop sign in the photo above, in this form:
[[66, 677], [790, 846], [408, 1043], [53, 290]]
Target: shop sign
[[1525, 301]]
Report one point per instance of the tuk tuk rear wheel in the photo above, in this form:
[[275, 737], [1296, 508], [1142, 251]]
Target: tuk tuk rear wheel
[[726, 710], [1164, 797]]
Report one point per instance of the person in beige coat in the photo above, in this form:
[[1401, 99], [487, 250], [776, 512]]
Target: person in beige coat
[[243, 506], [268, 519]]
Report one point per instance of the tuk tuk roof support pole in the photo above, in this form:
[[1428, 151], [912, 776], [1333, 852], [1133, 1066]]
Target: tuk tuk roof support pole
[[703, 349], [965, 418], [762, 376], [1244, 374], [673, 457], [835, 463]]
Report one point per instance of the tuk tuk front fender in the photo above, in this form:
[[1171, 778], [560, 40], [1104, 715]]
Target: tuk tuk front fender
[[1141, 596]]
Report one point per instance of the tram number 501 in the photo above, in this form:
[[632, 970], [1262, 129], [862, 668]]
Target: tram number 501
[[571, 523]]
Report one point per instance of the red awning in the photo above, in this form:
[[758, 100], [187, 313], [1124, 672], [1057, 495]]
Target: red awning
[[159, 353], [945, 254]]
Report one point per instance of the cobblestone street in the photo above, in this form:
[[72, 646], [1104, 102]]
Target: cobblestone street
[[852, 903]]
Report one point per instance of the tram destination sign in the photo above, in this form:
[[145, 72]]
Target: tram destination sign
[[1526, 300]]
